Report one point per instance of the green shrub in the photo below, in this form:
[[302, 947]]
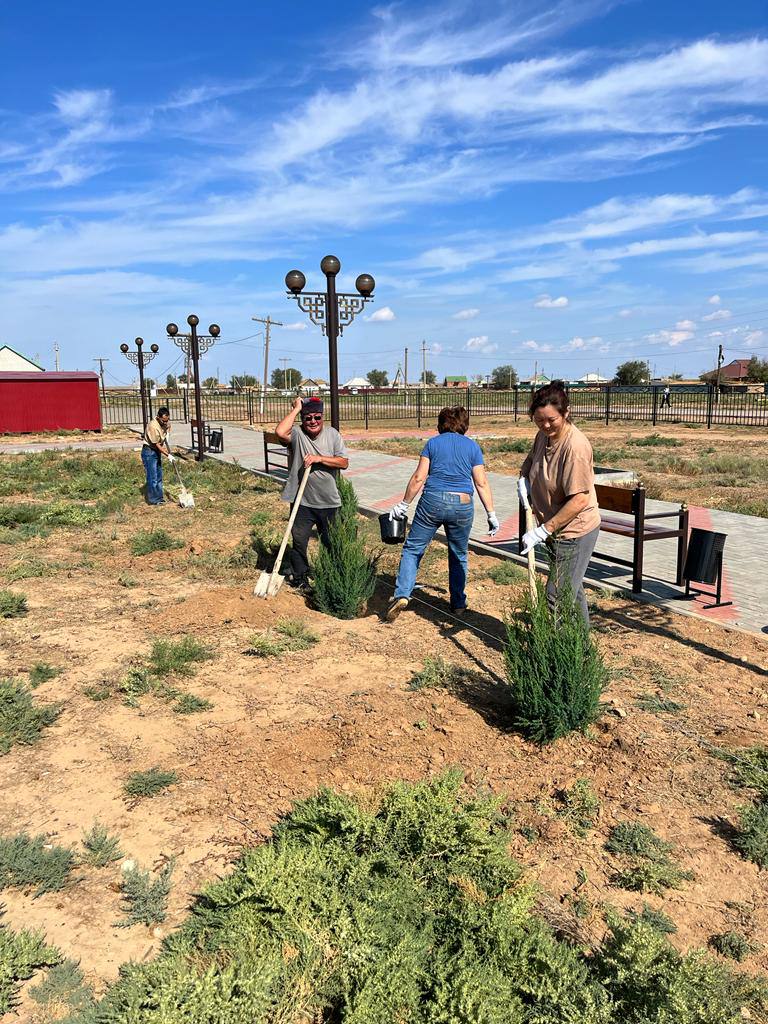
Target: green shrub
[[149, 783], [287, 636], [12, 605], [127, 581], [65, 989], [146, 541], [189, 704], [97, 693], [21, 721], [580, 807], [554, 669], [655, 441], [177, 657], [345, 572], [21, 954], [41, 673], [647, 865], [733, 945], [507, 573], [100, 847], [749, 767], [655, 919], [145, 897], [752, 837], [406, 907], [32, 862]]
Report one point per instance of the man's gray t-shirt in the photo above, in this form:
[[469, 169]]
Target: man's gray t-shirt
[[321, 490]]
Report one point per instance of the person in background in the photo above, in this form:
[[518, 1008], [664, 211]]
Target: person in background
[[450, 469], [665, 397], [559, 477], [155, 446], [320, 451]]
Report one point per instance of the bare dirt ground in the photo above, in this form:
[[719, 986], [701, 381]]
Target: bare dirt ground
[[343, 715], [69, 437], [725, 468]]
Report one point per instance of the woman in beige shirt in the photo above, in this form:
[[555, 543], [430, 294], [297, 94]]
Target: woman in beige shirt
[[558, 475]]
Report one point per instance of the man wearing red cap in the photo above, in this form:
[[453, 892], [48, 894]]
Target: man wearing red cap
[[319, 450]]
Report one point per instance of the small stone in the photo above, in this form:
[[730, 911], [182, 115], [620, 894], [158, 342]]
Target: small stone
[[754, 714], [128, 865], [157, 932]]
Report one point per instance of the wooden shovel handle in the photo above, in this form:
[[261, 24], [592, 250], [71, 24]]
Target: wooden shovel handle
[[289, 527], [529, 524]]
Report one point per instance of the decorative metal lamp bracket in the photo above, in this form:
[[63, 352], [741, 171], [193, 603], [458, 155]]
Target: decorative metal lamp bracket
[[313, 304]]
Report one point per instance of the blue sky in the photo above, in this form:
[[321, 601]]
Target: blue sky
[[568, 185]]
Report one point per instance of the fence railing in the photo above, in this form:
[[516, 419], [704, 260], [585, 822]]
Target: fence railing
[[609, 403]]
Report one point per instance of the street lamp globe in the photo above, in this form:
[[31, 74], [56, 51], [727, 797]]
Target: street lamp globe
[[154, 349], [172, 330], [214, 330], [330, 265], [193, 320], [124, 348], [365, 285], [139, 342], [295, 281]]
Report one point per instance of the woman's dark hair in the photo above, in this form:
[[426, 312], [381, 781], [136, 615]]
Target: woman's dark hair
[[453, 419], [553, 393], [163, 411]]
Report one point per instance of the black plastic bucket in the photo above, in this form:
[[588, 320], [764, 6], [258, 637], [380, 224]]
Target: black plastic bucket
[[392, 530]]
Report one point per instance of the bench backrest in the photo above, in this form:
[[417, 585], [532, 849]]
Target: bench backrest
[[618, 499], [271, 438]]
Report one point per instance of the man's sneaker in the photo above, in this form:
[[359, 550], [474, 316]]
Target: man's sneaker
[[459, 613], [396, 605]]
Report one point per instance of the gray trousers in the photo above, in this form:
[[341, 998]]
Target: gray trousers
[[570, 558]]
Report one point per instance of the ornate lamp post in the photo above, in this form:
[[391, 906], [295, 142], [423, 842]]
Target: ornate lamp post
[[195, 344], [332, 312], [140, 358]]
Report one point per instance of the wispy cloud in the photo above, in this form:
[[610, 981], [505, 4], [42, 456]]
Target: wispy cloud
[[714, 300], [719, 314], [466, 314], [383, 315], [480, 344], [546, 302]]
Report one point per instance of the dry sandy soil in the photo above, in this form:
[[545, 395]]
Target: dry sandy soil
[[343, 715]]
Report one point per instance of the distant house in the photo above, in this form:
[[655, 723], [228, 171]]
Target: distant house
[[592, 378], [535, 382], [314, 384], [735, 370], [456, 382], [12, 361], [357, 382]]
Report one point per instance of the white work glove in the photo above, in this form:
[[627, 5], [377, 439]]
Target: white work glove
[[171, 458], [399, 511], [533, 537], [493, 524], [524, 492]]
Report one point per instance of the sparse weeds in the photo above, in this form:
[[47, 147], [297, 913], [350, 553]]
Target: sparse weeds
[[507, 573], [647, 865], [149, 783], [655, 441], [21, 954], [749, 767], [145, 897], [656, 919], [655, 704], [177, 657], [751, 839], [28, 569], [100, 847], [64, 989], [41, 673], [127, 581], [733, 945], [32, 863], [12, 605], [190, 704], [580, 807], [145, 542], [21, 721], [436, 673], [287, 636]]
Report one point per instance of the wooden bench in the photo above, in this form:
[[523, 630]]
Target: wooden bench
[[213, 437], [276, 453], [631, 520]]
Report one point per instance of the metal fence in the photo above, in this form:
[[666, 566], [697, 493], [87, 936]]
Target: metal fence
[[419, 407]]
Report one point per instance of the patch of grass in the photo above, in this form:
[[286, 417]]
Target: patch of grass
[[189, 704], [97, 693], [647, 865], [149, 783], [177, 657], [145, 897], [21, 720], [751, 839], [749, 767], [654, 704], [32, 863], [655, 919], [554, 669], [580, 807], [62, 513], [495, 445], [126, 580], [100, 847], [41, 673], [405, 906], [145, 542], [655, 441], [21, 954], [27, 569], [12, 605], [436, 673], [137, 682], [64, 990], [507, 573], [287, 636], [733, 945]]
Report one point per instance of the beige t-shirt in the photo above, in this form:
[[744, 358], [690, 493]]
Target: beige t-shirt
[[155, 433], [557, 472]]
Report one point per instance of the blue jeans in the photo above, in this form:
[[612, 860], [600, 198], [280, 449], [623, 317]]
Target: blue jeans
[[438, 508], [154, 471]]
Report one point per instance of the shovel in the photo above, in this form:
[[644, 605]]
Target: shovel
[[186, 498], [269, 583], [529, 524]]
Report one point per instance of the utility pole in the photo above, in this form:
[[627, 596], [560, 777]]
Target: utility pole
[[535, 371], [268, 323], [423, 364], [405, 372], [56, 355], [720, 359], [285, 373], [101, 360]]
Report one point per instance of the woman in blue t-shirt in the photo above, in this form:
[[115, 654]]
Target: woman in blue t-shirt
[[450, 469]]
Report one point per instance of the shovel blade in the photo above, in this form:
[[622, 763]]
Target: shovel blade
[[186, 499], [268, 584]]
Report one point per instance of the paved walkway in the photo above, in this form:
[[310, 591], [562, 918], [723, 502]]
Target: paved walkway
[[380, 480]]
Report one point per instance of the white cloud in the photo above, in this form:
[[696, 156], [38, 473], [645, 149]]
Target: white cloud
[[754, 336], [671, 338], [480, 343], [300, 325], [435, 348], [575, 344], [625, 313], [714, 300], [83, 104], [685, 325], [466, 314], [383, 315], [715, 334], [545, 302], [719, 314], [535, 346]]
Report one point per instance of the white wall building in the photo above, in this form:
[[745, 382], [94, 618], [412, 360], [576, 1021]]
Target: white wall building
[[13, 362]]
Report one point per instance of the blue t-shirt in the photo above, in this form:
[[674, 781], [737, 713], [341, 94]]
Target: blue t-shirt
[[452, 458]]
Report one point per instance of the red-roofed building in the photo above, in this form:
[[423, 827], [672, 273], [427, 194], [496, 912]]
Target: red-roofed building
[[32, 402]]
